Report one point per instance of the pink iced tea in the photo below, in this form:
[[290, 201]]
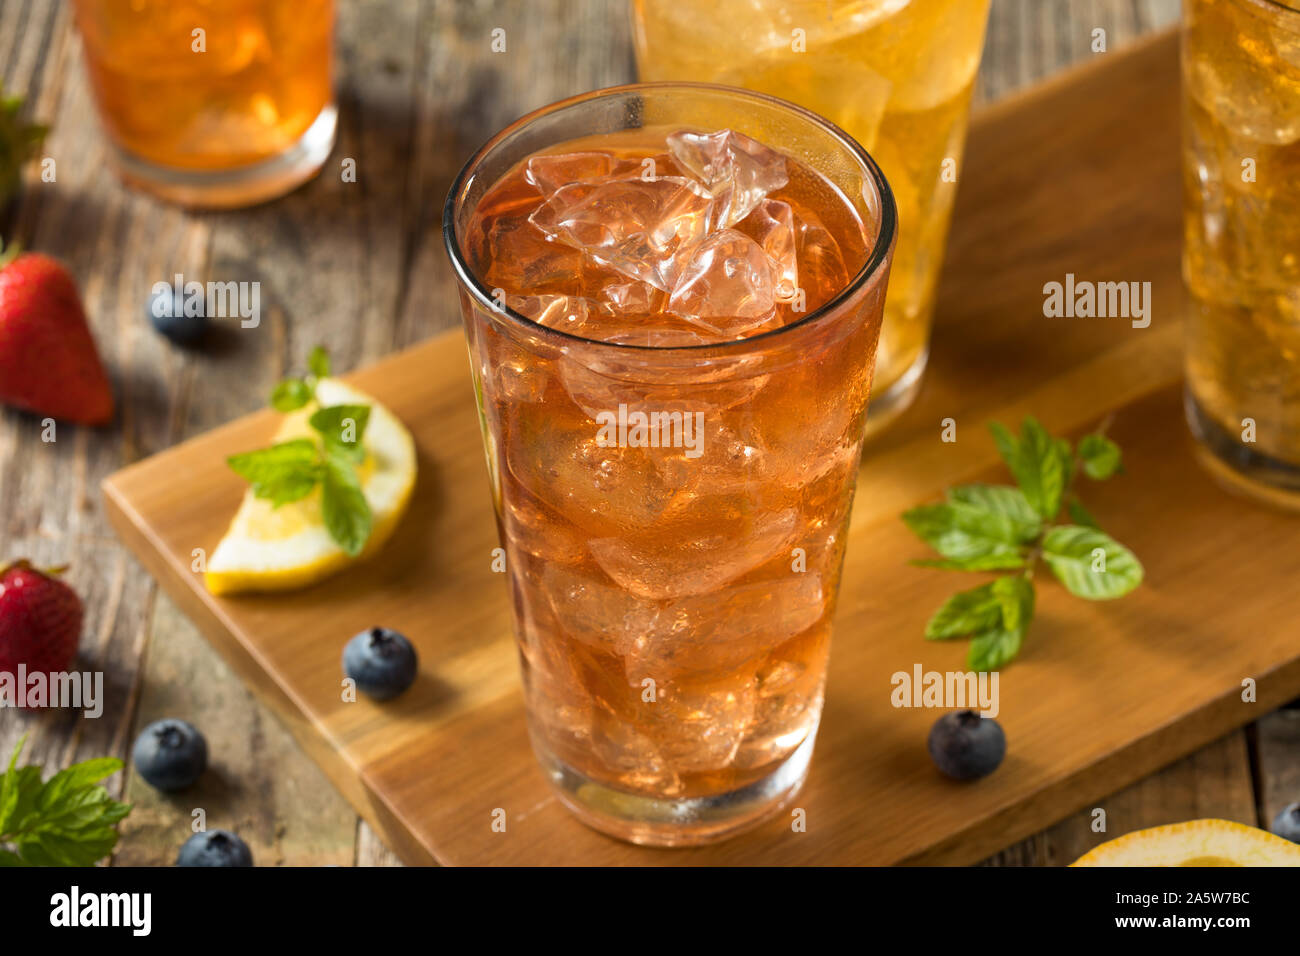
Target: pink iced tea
[[674, 469]]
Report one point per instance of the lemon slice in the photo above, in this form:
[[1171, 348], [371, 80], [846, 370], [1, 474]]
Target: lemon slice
[[1195, 843], [275, 549]]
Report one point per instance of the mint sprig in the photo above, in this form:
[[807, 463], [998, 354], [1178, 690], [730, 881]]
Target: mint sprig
[[999, 527], [69, 820], [290, 471]]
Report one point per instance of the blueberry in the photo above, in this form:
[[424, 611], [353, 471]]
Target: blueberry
[[170, 754], [214, 848], [382, 662], [966, 746], [1287, 823], [167, 313]]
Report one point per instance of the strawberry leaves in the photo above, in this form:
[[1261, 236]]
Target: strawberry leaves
[[19, 142]]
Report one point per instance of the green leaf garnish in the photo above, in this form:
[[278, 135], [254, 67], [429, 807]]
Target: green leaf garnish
[[1100, 457], [292, 470], [341, 427], [266, 464], [1038, 462], [993, 648], [984, 527], [965, 613], [1090, 563], [988, 562], [318, 362], [962, 532], [1079, 514], [1001, 500], [290, 395], [1015, 597], [282, 473], [66, 821], [346, 512]]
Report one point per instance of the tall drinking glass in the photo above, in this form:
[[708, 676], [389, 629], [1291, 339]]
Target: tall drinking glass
[[897, 75], [1241, 250], [213, 104], [672, 296]]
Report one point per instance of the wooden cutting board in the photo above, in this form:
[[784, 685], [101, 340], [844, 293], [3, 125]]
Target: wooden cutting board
[[1078, 176]]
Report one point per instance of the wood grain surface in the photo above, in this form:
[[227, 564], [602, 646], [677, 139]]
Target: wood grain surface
[[359, 270], [1101, 694]]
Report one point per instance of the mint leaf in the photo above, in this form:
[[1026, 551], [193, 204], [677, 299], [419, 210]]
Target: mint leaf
[[1003, 500], [78, 777], [1079, 514], [961, 532], [9, 786], [1067, 460], [999, 642], [67, 821], [296, 483], [1015, 598], [964, 613], [67, 849], [986, 527], [1090, 563], [988, 562], [342, 428], [318, 362], [282, 473], [291, 394], [343, 506], [1100, 457], [993, 648], [1007, 443], [1037, 461], [266, 464]]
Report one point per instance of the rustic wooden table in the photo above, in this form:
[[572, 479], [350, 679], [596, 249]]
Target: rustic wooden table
[[359, 268]]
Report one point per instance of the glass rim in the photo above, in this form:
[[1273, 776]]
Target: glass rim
[[875, 261]]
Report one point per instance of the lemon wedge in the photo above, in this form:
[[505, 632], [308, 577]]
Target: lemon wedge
[[1195, 843], [276, 549]]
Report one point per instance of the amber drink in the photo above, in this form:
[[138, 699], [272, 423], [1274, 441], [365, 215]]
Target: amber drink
[[672, 296], [220, 103], [897, 75], [1241, 253]]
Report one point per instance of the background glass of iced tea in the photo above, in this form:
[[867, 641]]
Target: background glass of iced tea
[[897, 75], [217, 104], [1241, 252], [672, 608]]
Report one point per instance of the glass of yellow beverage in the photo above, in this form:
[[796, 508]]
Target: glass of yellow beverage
[[896, 75], [213, 104], [1241, 250]]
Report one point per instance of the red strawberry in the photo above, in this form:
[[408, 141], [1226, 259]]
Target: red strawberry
[[40, 620], [48, 362]]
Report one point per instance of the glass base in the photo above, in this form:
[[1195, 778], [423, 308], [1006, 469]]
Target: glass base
[[242, 185], [652, 821], [1237, 465], [895, 400]]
